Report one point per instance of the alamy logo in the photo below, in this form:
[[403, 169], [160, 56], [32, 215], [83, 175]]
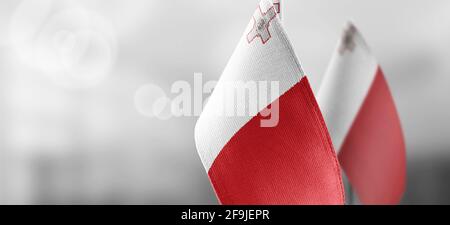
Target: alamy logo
[[239, 98]]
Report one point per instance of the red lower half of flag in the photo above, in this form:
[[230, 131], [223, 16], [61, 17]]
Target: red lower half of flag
[[292, 163], [373, 153]]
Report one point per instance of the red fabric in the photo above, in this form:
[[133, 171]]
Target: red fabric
[[292, 163], [373, 153]]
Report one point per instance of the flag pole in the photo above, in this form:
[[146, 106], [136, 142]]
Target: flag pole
[[350, 196], [277, 4]]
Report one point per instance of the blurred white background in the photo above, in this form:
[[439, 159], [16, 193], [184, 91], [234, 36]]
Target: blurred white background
[[75, 77]]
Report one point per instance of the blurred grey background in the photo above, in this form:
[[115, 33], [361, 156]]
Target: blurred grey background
[[75, 78]]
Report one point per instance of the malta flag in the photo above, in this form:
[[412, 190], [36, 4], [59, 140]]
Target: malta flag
[[279, 153], [363, 122]]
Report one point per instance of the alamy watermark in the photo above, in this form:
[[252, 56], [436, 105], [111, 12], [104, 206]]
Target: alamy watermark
[[232, 99]]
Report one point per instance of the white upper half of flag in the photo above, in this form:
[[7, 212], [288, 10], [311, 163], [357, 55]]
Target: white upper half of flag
[[346, 84], [264, 53]]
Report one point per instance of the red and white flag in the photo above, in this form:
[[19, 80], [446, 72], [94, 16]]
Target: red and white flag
[[277, 154], [363, 122]]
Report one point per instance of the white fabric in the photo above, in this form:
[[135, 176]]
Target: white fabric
[[346, 84], [254, 61]]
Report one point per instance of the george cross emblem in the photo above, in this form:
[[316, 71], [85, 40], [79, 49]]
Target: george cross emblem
[[348, 40], [261, 23]]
